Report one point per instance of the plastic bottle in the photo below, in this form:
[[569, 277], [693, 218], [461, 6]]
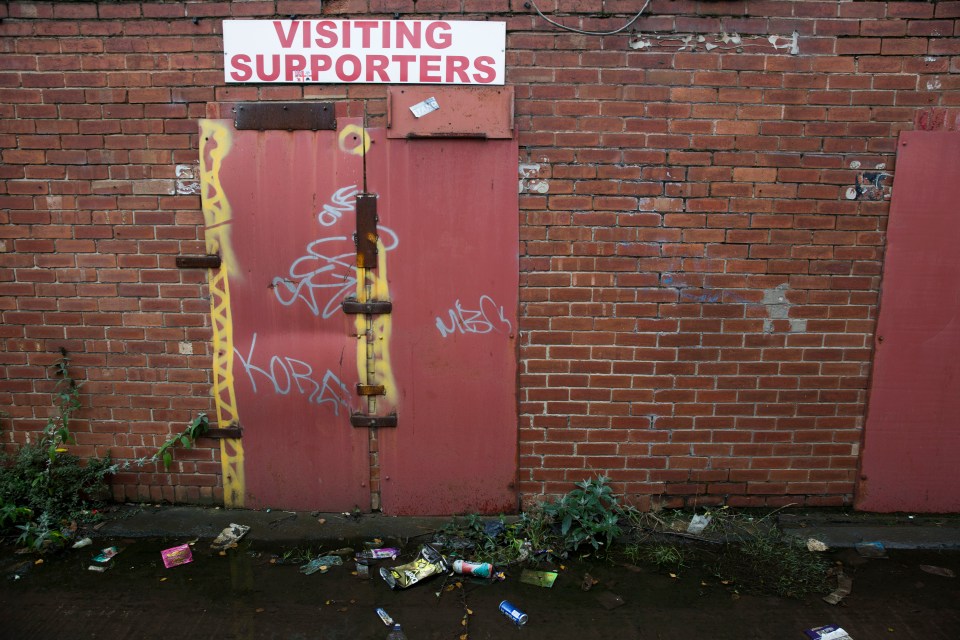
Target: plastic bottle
[[396, 633]]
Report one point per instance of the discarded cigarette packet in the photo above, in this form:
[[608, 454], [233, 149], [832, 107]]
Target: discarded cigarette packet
[[175, 556], [828, 632]]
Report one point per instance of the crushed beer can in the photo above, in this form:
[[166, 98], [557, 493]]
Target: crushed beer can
[[518, 617], [385, 617], [475, 569]]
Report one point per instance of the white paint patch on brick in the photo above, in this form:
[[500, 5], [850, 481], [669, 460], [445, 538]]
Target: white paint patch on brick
[[538, 186], [934, 84], [3, 246], [731, 42], [778, 308], [185, 348], [188, 180], [528, 172], [851, 193], [855, 164]]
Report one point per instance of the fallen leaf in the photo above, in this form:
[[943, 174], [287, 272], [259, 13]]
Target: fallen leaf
[[673, 575], [163, 579], [260, 610], [463, 622], [469, 612], [39, 561]]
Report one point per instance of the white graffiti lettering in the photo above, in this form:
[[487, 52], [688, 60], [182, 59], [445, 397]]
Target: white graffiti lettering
[[328, 265], [286, 374], [489, 317], [343, 200]]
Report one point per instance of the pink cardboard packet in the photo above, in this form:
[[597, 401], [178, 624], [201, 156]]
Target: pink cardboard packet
[[176, 556]]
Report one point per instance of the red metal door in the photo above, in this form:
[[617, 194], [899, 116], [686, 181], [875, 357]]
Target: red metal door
[[289, 264], [912, 435], [445, 354], [452, 205]]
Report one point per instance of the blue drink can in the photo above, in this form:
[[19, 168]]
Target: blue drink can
[[519, 617]]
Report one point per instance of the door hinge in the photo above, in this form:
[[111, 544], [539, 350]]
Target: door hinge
[[198, 262], [371, 390], [352, 306], [364, 420], [220, 434]]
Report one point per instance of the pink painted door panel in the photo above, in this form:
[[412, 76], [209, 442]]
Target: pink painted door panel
[[451, 208], [294, 367], [912, 435]]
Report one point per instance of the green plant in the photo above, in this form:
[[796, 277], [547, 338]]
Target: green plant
[[42, 485], [10, 514], [771, 561], [665, 556], [590, 514], [40, 535], [499, 541], [196, 428], [66, 395]]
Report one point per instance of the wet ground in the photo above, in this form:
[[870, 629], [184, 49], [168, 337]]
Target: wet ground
[[242, 595]]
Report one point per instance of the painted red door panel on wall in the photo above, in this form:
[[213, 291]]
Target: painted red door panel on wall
[[451, 205], [294, 368], [912, 435]]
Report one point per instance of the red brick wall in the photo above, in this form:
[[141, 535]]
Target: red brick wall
[[701, 221]]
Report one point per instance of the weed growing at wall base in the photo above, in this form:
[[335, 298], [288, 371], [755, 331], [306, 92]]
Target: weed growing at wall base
[[43, 487]]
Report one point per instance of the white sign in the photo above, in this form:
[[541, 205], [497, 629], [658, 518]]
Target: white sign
[[364, 51]]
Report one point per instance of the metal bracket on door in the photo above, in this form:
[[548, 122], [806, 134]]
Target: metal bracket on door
[[364, 420], [351, 306], [211, 261], [371, 390]]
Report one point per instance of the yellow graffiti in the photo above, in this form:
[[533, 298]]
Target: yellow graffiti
[[373, 348], [361, 140], [215, 142], [382, 330]]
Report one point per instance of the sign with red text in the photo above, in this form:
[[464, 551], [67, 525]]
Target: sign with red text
[[364, 51]]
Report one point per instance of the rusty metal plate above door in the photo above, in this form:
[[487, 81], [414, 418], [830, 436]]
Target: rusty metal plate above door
[[286, 116], [464, 112]]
